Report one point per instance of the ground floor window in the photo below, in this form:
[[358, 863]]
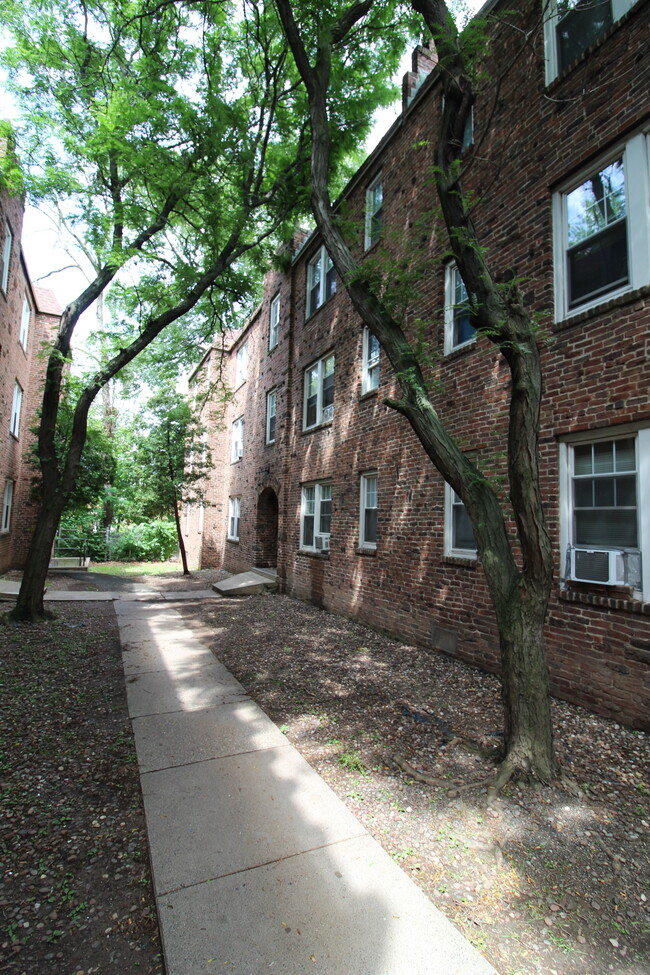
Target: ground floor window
[[368, 511], [234, 507], [316, 517], [605, 530], [7, 505], [459, 534]]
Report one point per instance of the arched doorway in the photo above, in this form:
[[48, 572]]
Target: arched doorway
[[266, 530]]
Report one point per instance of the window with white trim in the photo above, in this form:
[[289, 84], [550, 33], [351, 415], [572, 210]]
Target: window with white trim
[[374, 207], [241, 363], [16, 407], [602, 230], [370, 375], [271, 410], [5, 257], [321, 280], [201, 516], [237, 440], [604, 517], [24, 323], [319, 393], [316, 517], [459, 330], [7, 505], [459, 534], [572, 26], [234, 508], [368, 511], [274, 322]]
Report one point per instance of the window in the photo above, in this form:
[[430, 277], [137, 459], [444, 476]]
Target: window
[[374, 204], [7, 505], [370, 378], [5, 258], [274, 322], [321, 281], [572, 26], [237, 440], [602, 517], [24, 324], [201, 516], [241, 364], [316, 517], [319, 393], [459, 534], [271, 409], [15, 409], [602, 232], [234, 507], [368, 511], [459, 330]]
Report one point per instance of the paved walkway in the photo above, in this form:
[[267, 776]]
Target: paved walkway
[[258, 867]]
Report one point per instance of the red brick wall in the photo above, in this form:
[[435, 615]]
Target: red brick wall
[[597, 375]]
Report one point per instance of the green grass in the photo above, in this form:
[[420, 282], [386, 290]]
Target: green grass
[[135, 568]]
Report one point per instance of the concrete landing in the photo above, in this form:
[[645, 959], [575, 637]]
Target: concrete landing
[[246, 583], [257, 865]]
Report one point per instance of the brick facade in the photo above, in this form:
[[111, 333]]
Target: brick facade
[[22, 335], [533, 143]]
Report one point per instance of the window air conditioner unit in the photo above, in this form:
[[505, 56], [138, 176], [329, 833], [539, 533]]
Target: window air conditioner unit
[[328, 413], [322, 543], [605, 566]]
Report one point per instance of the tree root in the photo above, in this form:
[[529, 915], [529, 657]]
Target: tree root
[[413, 773]]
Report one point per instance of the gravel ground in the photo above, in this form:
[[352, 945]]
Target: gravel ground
[[544, 881]]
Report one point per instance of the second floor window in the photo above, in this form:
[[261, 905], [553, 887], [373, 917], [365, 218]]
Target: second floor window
[[271, 410], [5, 257], [274, 322], [573, 26], [16, 407], [321, 280], [459, 330], [237, 440], [370, 379], [24, 323], [319, 393]]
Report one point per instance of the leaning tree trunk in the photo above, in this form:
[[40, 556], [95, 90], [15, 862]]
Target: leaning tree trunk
[[29, 605], [181, 543]]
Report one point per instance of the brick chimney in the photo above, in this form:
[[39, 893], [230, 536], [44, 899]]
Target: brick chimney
[[423, 61]]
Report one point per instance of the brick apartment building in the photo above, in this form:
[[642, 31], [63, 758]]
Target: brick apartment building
[[29, 317], [315, 475]]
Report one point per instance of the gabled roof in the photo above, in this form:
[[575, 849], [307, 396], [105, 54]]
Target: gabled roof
[[47, 302]]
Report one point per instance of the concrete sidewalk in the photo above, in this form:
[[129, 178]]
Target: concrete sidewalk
[[257, 865]]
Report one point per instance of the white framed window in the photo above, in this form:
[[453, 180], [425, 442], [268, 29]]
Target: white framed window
[[459, 330], [274, 322], [368, 511], [604, 513], [271, 411], [370, 376], [7, 505], [321, 280], [459, 534], [24, 323], [234, 509], [16, 407], [374, 207], [319, 393], [316, 517], [5, 257], [602, 230], [241, 363], [237, 451], [201, 516], [572, 26]]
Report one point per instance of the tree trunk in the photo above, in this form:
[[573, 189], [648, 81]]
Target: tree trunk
[[29, 605], [181, 543]]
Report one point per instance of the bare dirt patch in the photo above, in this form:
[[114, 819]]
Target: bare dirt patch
[[75, 887], [544, 881]]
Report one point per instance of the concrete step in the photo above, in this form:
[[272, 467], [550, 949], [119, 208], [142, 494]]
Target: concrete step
[[247, 583]]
